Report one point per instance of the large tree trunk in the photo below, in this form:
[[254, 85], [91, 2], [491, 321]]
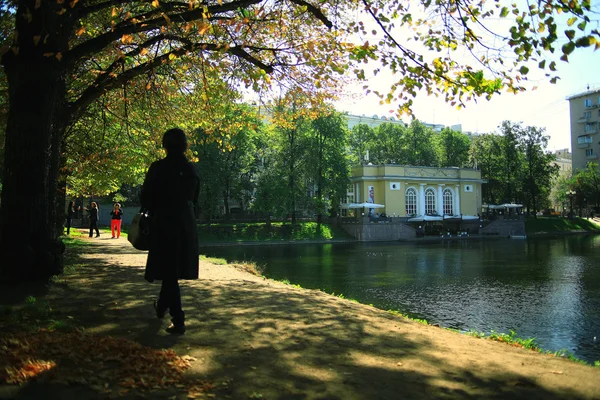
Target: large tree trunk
[[29, 245]]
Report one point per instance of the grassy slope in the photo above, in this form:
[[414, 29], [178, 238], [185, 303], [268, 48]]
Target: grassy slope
[[558, 225]]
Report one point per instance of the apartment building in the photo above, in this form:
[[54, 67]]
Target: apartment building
[[585, 120], [564, 161]]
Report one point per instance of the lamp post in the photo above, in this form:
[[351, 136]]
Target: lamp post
[[571, 194]]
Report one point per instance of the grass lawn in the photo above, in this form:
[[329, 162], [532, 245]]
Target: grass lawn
[[556, 224]]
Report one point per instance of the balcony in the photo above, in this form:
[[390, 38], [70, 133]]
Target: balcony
[[583, 120], [583, 145], [591, 157]]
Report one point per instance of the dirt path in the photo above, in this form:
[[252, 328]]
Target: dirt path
[[256, 338]]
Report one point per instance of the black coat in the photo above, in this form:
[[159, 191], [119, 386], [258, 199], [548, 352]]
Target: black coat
[[93, 213], [170, 195]]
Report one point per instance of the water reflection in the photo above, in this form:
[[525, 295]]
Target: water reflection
[[544, 288]]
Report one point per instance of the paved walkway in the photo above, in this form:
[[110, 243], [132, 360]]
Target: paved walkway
[[255, 338]]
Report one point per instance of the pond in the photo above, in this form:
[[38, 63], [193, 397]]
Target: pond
[[543, 288]]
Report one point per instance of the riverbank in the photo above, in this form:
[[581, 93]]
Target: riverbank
[[254, 338], [248, 234]]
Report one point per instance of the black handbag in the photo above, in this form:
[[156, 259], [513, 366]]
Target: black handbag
[[139, 231]]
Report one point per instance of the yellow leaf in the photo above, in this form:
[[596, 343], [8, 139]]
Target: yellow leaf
[[144, 52], [114, 12], [202, 28], [167, 19], [73, 3], [48, 54], [80, 31], [38, 4], [126, 39], [155, 4], [36, 40], [58, 56]]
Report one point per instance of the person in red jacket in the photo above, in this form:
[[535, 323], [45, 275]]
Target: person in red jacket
[[115, 222]]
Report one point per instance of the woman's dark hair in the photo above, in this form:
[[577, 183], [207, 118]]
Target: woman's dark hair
[[71, 204], [174, 141]]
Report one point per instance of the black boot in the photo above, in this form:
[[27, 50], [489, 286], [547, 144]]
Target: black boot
[[177, 326], [160, 311], [176, 329]]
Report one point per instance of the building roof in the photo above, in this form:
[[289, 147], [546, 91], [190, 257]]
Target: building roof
[[583, 94]]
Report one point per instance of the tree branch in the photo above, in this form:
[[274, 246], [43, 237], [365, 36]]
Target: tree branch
[[108, 80], [314, 11], [95, 45]]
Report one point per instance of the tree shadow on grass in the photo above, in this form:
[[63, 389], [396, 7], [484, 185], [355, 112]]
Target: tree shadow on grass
[[252, 338]]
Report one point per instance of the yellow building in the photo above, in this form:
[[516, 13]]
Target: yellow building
[[411, 191]]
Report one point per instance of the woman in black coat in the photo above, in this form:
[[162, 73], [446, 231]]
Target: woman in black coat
[[70, 214], [169, 195], [93, 214]]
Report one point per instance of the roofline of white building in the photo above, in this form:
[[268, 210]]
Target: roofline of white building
[[583, 94]]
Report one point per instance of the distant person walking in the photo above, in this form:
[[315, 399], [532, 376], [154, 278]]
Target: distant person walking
[[93, 214], [115, 221], [70, 214], [170, 195]]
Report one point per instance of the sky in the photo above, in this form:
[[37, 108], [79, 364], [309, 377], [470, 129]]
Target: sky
[[545, 107]]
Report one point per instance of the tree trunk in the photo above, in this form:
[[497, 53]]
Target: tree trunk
[[29, 245], [61, 195]]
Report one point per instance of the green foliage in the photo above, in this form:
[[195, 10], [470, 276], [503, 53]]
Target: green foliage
[[539, 168], [515, 165], [229, 157], [511, 338], [213, 260], [569, 356], [453, 148], [587, 185], [359, 141], [406, 316], [535, 31], [277, 231], [327, 161]]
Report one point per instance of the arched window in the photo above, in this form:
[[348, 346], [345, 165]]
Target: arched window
[[448, 202], [430, 201], [411, 201]]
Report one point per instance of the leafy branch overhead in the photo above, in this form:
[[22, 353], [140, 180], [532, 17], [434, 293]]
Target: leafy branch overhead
[[108, 43]]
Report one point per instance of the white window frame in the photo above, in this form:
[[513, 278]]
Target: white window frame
[[587, 102], [448, 196], [410, 196], [430, 201], [589, 152]]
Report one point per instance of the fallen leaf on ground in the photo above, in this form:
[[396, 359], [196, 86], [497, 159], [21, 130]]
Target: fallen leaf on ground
[[97, 361]]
